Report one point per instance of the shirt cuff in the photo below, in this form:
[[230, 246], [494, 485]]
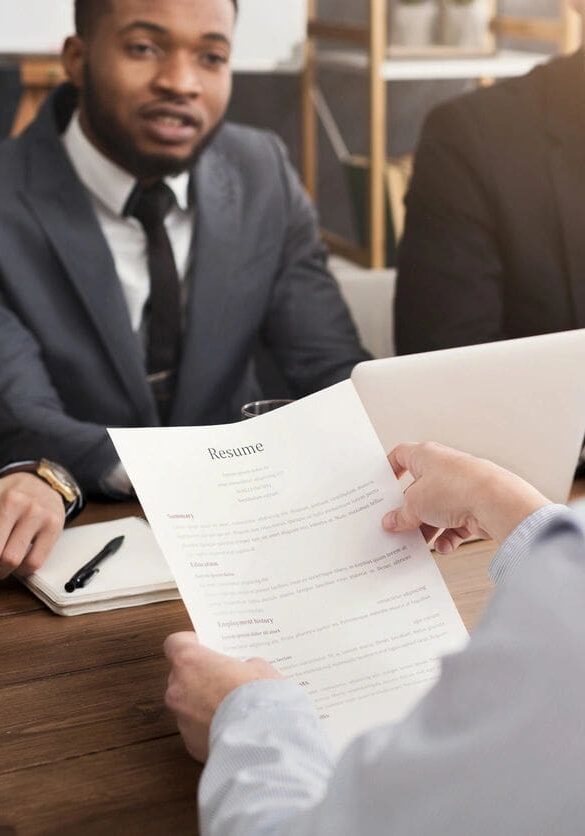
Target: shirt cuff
[[116, 483], [518, 545], [259, 695]]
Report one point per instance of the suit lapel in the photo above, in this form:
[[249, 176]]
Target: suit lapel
[[63, 209], [564, 105], [218, 200]]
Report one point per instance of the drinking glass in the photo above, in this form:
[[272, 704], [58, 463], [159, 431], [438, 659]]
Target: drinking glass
[[251, 410]]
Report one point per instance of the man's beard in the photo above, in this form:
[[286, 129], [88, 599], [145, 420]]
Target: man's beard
[[119, 147]]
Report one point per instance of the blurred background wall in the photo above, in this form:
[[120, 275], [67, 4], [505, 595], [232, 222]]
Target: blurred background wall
[[273, 101]]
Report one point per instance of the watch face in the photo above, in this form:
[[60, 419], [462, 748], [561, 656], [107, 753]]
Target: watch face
[[59, 479], [62, 475]]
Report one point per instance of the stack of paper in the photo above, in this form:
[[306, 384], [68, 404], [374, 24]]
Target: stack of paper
[[136, 574]]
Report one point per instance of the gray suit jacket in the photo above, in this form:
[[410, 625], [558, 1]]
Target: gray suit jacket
[[496, 748], [70, 364]]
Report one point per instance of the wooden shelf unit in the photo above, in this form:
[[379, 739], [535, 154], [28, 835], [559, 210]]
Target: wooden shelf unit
[[38, 75], [365, 49]]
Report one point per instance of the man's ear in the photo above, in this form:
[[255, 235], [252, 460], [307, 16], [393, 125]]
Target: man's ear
[[73, 58]]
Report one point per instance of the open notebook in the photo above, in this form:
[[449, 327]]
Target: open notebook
[[137, 574]]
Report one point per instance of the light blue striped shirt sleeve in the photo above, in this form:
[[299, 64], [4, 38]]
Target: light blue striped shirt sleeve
[[516, 547], [496, 747]]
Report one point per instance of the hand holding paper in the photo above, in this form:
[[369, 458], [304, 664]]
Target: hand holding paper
[[199, 680], [451, 491], [459, 495]]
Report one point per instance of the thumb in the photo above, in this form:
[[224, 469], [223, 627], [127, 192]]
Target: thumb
[[179, 641], [401, 519]]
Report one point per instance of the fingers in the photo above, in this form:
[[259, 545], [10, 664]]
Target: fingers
[[30, 542], [18, 545], [185, 655], [41, 549], [447, 541], [183, 650], [13, 507], [31, 518], [450, 539], [428, 531], [401, 458]]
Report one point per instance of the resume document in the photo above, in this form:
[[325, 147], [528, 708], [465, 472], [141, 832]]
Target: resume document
[[272, 529]]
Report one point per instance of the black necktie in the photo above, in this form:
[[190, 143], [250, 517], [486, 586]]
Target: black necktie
[[150, 206]]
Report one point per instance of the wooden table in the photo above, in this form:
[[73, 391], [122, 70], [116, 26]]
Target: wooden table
[[86, 744]]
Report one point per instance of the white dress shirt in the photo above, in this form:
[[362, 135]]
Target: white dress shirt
[[497, 747], [109, 188]]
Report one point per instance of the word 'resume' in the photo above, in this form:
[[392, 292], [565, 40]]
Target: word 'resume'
[[235, 452]]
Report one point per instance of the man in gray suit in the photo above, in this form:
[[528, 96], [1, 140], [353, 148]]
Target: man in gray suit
[[147, 248], [497, 745]]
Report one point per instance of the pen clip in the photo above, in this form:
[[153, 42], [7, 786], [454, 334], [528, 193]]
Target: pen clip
[[84, 577]]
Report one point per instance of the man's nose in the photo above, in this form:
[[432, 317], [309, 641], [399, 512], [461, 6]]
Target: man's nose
[[180, 75]]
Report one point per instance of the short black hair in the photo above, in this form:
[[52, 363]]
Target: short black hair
[[86, 14], [88, 11]]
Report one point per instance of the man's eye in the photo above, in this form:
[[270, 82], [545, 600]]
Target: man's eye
[[141, 50], [214, 59]]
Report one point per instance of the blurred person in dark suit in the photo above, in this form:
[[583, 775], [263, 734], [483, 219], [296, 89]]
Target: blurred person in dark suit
[[494, 245]]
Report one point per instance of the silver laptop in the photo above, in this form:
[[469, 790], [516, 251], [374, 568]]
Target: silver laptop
[[520, 403]]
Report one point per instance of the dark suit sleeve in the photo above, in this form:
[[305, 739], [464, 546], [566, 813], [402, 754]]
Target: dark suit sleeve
[[33, 423], [308, 328], [450, 271]]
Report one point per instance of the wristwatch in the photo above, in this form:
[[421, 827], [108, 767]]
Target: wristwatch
[[57, 477]]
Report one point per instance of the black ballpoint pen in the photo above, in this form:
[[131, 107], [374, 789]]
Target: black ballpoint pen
[[89, 569]]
